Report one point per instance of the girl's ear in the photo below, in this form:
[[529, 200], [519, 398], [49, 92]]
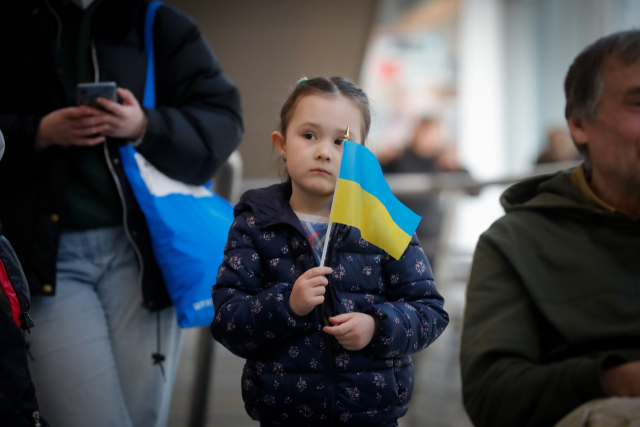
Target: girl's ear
[[279, 143]]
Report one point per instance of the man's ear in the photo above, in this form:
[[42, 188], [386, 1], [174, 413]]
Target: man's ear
[[578, 130], [278, 140]]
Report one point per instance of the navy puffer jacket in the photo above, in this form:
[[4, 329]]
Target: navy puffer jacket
[[296, 374]]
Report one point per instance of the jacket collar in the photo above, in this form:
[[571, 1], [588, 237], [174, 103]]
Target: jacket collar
[[270, 206]]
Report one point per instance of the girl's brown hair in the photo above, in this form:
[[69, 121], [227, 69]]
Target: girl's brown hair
[[332, 86]]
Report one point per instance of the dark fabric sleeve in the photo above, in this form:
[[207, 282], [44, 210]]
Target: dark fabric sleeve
[[504, 381], [20, 132], [250, 320], [17, 391], [197, 121], [414, 316]]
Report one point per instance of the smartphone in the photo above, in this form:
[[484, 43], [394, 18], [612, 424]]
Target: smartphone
[[86, 93]]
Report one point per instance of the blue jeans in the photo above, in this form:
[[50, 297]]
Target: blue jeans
[[93, 341]]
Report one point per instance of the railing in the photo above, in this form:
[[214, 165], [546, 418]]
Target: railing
[[406, 184], [415, 184]]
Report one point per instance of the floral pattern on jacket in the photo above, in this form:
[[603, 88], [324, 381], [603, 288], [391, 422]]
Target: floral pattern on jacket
[[295, 373]]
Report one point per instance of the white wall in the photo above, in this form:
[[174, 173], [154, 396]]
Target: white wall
[[481, 88]]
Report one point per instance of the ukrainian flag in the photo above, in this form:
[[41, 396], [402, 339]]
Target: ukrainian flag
[[363, 200]]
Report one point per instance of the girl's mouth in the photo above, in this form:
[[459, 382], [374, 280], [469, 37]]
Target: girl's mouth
[[321, 171]]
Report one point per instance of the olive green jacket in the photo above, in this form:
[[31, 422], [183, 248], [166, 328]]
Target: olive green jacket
[[553, 298]]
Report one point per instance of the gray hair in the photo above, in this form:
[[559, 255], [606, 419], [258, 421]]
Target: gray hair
[[583, 84]]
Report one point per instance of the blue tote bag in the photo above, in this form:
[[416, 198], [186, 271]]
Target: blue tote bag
[[188, 224]]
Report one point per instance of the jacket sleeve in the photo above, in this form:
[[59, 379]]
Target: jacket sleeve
[[250, 320], [20, 132], [503, 379], [197, 121], [414, 316]]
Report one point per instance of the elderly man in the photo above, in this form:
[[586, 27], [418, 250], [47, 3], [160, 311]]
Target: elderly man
[[553, 304]]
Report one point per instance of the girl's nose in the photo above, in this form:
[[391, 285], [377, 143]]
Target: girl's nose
[[323, 151]]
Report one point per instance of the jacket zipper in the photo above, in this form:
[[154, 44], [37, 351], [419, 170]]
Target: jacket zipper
[[331, 386], [324, 308], [330, 358]]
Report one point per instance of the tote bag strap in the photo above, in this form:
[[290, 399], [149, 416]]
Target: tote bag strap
[[149, 100]]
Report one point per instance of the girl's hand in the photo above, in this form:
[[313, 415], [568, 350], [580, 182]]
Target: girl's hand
[[308, 291], [126, 121], [353, 331]]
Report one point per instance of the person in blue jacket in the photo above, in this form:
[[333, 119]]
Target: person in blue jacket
[[324, 344]]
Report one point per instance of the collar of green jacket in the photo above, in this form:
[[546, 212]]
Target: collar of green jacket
[[556, 192]]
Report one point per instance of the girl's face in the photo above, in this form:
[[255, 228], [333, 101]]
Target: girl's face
[[312, 145]]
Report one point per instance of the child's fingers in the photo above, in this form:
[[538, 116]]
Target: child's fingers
[[341, 318], [338, 331], [329, 330], [319, 271], [318, 281], [318, 291]]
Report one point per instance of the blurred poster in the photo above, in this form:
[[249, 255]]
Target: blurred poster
[[409, 71]]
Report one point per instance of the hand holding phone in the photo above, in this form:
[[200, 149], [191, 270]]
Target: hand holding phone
[[78, 126], [126, 120], [97, 116]]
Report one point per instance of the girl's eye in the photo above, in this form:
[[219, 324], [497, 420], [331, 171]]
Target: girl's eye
[[309, 136], [338, 141]]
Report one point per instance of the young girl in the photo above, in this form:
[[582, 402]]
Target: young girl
[[324, 345]]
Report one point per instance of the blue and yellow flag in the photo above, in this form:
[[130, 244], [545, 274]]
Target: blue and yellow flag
[[363, 200]]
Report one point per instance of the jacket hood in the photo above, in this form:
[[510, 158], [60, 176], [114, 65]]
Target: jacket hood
[[555, 192], [544, 191], [114, 20]]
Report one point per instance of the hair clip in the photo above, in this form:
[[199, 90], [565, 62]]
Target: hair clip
[[304, 79]]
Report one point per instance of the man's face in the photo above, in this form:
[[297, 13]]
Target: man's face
[[613, 137]]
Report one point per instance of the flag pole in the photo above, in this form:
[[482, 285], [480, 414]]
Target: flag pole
[[326, 240]]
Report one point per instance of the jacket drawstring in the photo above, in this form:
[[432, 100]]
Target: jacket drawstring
[[158, 357]]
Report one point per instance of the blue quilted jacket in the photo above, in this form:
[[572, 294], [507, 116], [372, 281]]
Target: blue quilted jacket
[[295, 373]]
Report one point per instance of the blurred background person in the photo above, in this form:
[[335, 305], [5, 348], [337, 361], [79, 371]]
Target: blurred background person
[[427, 152], [559, 147], [106, 329]]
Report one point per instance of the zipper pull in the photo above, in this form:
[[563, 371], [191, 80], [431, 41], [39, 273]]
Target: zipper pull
[[36, 418]]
